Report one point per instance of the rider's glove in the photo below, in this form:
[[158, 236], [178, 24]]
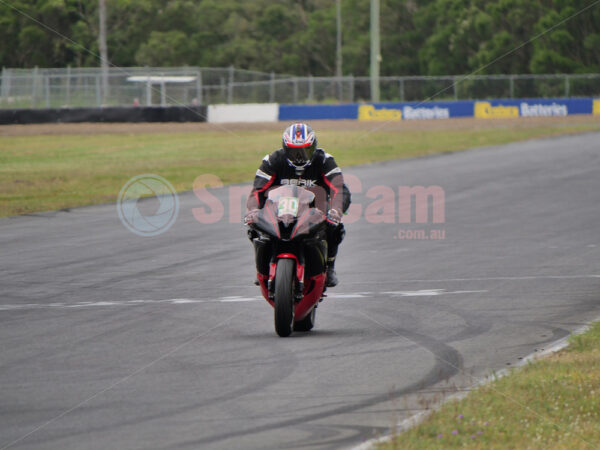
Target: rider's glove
[[252, 234], [251, 216], [334, 217]]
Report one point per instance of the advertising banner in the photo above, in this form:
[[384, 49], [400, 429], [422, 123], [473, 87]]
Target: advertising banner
[[415, 110], [481, 109], [318, 112], [537, 107]]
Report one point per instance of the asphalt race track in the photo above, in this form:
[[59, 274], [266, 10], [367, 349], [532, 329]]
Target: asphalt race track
[[112, 340]]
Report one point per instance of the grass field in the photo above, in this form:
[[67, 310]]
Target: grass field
[[41, 172], [553, 403]]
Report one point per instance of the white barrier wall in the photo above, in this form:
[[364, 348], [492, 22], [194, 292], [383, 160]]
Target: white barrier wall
[[249, 112]]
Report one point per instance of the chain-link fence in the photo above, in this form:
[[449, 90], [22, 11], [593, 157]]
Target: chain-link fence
[[87, 87], [413, 88]]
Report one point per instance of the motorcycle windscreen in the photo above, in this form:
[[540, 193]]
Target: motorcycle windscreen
[[309, 218], [284, 205], [280, 193], [290, 204]]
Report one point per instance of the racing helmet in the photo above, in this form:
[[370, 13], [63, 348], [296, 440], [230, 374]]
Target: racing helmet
[[299, 143]]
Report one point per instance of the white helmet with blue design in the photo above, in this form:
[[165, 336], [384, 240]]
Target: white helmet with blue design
[[299, 143]]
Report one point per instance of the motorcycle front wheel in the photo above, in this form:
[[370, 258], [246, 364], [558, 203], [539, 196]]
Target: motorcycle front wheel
[[284, 297]]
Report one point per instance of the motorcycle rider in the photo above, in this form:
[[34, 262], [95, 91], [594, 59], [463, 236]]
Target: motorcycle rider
[[300, 162]]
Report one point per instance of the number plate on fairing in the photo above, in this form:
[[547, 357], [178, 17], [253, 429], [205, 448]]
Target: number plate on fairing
[[288, 205]]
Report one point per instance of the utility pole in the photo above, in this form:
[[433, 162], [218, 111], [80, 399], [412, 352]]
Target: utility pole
[[375, 51], [103, 49], [338, 52]]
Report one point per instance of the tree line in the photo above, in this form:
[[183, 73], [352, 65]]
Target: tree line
[[418, 37]]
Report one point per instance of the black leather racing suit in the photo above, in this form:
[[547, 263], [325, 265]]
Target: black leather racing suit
[[323, 171]]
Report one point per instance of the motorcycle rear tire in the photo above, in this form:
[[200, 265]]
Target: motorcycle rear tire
[[307, 323], [284, 297]]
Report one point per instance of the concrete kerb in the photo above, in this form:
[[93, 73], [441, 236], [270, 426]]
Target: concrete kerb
[[418, 418]]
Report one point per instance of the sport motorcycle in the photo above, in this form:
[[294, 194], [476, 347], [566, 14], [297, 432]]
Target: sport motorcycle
[[291, 254]]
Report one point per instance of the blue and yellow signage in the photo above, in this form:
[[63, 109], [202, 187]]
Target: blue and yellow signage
[[370, 113], [482, 109], [485, 110]]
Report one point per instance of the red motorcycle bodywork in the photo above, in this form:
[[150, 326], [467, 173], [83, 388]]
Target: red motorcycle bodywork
[[307, 217], [313, 287]]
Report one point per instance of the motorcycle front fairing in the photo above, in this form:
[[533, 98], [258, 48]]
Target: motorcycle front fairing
[[287, 213]]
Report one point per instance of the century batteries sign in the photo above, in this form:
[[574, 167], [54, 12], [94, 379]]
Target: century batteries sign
[[505, 109], [369, 112], [485, 110], [481, 109], [414, 111]]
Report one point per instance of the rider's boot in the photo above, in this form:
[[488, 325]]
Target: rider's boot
[[332, 279]]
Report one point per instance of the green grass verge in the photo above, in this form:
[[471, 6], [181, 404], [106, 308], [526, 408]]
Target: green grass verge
[[552, 403], [41, 173]]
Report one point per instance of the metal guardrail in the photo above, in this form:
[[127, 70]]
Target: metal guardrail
[[83, 87]]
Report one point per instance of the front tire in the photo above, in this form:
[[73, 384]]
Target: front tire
[[284, 297]]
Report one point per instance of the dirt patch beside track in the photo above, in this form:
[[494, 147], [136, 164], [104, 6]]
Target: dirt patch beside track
[[144, 128]]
